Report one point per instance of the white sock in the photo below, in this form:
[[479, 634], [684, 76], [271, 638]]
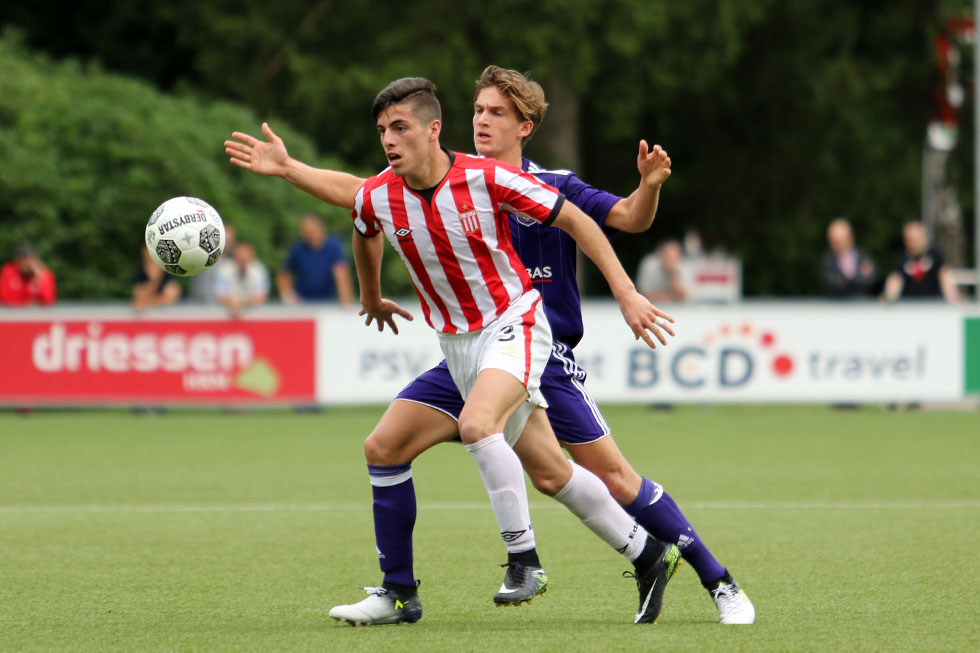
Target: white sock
[[589, 500], [503, 477]]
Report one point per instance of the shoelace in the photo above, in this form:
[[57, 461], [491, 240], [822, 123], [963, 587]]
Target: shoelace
[[516, 572], [726, 592], [630, 574]]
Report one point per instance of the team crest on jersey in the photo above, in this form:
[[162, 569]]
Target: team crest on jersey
[[469, 219], [525, 221]]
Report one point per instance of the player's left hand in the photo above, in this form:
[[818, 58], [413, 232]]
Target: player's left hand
[[644, 319], [653, 165], [385, 313]]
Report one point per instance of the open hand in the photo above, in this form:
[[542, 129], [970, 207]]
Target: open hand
[[644, 319], [385, 313], [264, 157]]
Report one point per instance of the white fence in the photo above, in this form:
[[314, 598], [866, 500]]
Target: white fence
[[748, 352]]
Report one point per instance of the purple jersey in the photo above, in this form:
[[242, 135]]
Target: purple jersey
[[549, 254]]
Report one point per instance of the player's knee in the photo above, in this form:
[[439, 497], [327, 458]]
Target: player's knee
[[619, 483], [379, 450], [548, 483], [473, 429]]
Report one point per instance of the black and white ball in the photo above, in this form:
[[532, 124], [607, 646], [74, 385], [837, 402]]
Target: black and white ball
[[185, 236]]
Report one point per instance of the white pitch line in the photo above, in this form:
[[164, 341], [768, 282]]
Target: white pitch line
[[304, 507]]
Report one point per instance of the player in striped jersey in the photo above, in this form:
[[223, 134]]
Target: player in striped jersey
[[427, 409], [435, 273], [446, 215]]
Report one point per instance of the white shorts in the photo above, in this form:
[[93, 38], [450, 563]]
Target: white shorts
[[518, 342]]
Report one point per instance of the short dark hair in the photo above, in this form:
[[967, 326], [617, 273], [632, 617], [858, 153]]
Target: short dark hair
[[417, 90]]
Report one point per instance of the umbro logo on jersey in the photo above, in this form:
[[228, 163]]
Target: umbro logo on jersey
[[402, 233], [469, 219]]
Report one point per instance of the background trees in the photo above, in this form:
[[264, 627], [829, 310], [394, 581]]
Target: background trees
[[778, 116]]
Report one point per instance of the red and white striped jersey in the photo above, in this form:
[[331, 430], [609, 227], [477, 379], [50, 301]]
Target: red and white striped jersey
[[457, 245]]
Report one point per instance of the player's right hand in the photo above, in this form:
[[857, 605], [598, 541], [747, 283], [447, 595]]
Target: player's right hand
[[384, 313], [264, 157]]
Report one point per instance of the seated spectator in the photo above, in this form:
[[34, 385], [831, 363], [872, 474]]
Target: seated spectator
[[152, 286], [660, 277], [241, 280], [921, 271], [845, 270], [202, 288], [316, 268], [26, 281]]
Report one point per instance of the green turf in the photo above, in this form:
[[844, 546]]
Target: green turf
[[848, 529]]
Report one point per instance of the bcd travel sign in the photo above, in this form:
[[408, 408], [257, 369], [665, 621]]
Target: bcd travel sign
[[105, 361], [781, 352]]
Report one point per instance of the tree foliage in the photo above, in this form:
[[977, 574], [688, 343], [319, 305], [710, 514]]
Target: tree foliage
[[87, 156], [778, 116]]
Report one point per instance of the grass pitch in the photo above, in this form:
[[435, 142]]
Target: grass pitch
[[188, 531]]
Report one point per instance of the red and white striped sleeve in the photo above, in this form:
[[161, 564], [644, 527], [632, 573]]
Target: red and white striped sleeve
[[521, 194], [365, 221]]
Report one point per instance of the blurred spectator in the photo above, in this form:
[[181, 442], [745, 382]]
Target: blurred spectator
[[202, 289], [26, 281], [692, 243], [921, 271], [845, 270], [316, 269], [152, 286], [241, 280], [660, 277]]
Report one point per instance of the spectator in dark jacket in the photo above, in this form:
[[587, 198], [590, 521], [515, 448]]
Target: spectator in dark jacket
[[845, 270]]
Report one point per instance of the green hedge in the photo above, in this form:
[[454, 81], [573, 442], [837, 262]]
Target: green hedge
[[86, 156]]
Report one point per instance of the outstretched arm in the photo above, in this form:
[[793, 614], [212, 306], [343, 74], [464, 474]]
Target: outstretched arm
[[270, 157], [642, 317], [635, 213], [367, 261]]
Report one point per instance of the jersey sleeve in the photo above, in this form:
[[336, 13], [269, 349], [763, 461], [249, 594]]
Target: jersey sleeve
[[594, 202], [365, 221], [521, 194]]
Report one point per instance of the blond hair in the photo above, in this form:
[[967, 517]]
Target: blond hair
[[527, 95]]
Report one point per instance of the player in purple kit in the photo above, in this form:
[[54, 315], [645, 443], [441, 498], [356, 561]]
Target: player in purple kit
[[507, 109]]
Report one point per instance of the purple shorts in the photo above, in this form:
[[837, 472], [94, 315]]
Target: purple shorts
[[572, 412]]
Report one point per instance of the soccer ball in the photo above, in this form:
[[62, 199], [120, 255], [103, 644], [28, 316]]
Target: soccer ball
[[185, 236]]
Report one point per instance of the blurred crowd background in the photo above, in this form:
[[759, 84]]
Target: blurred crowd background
[[804, 135]]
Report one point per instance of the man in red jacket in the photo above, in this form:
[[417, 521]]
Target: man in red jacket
[[26, 281]]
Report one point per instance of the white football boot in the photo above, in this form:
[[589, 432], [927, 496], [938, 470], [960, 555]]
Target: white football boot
[[380, 607], [734, 606]]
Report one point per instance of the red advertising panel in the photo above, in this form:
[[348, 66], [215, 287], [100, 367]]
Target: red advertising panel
[[194, 361]]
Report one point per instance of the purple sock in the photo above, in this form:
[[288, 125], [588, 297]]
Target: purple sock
[[394, 520], [655, 511]]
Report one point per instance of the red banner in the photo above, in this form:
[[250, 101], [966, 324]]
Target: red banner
[[159, 362]]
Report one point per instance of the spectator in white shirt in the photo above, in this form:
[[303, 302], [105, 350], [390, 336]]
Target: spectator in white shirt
[[242, 280]]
